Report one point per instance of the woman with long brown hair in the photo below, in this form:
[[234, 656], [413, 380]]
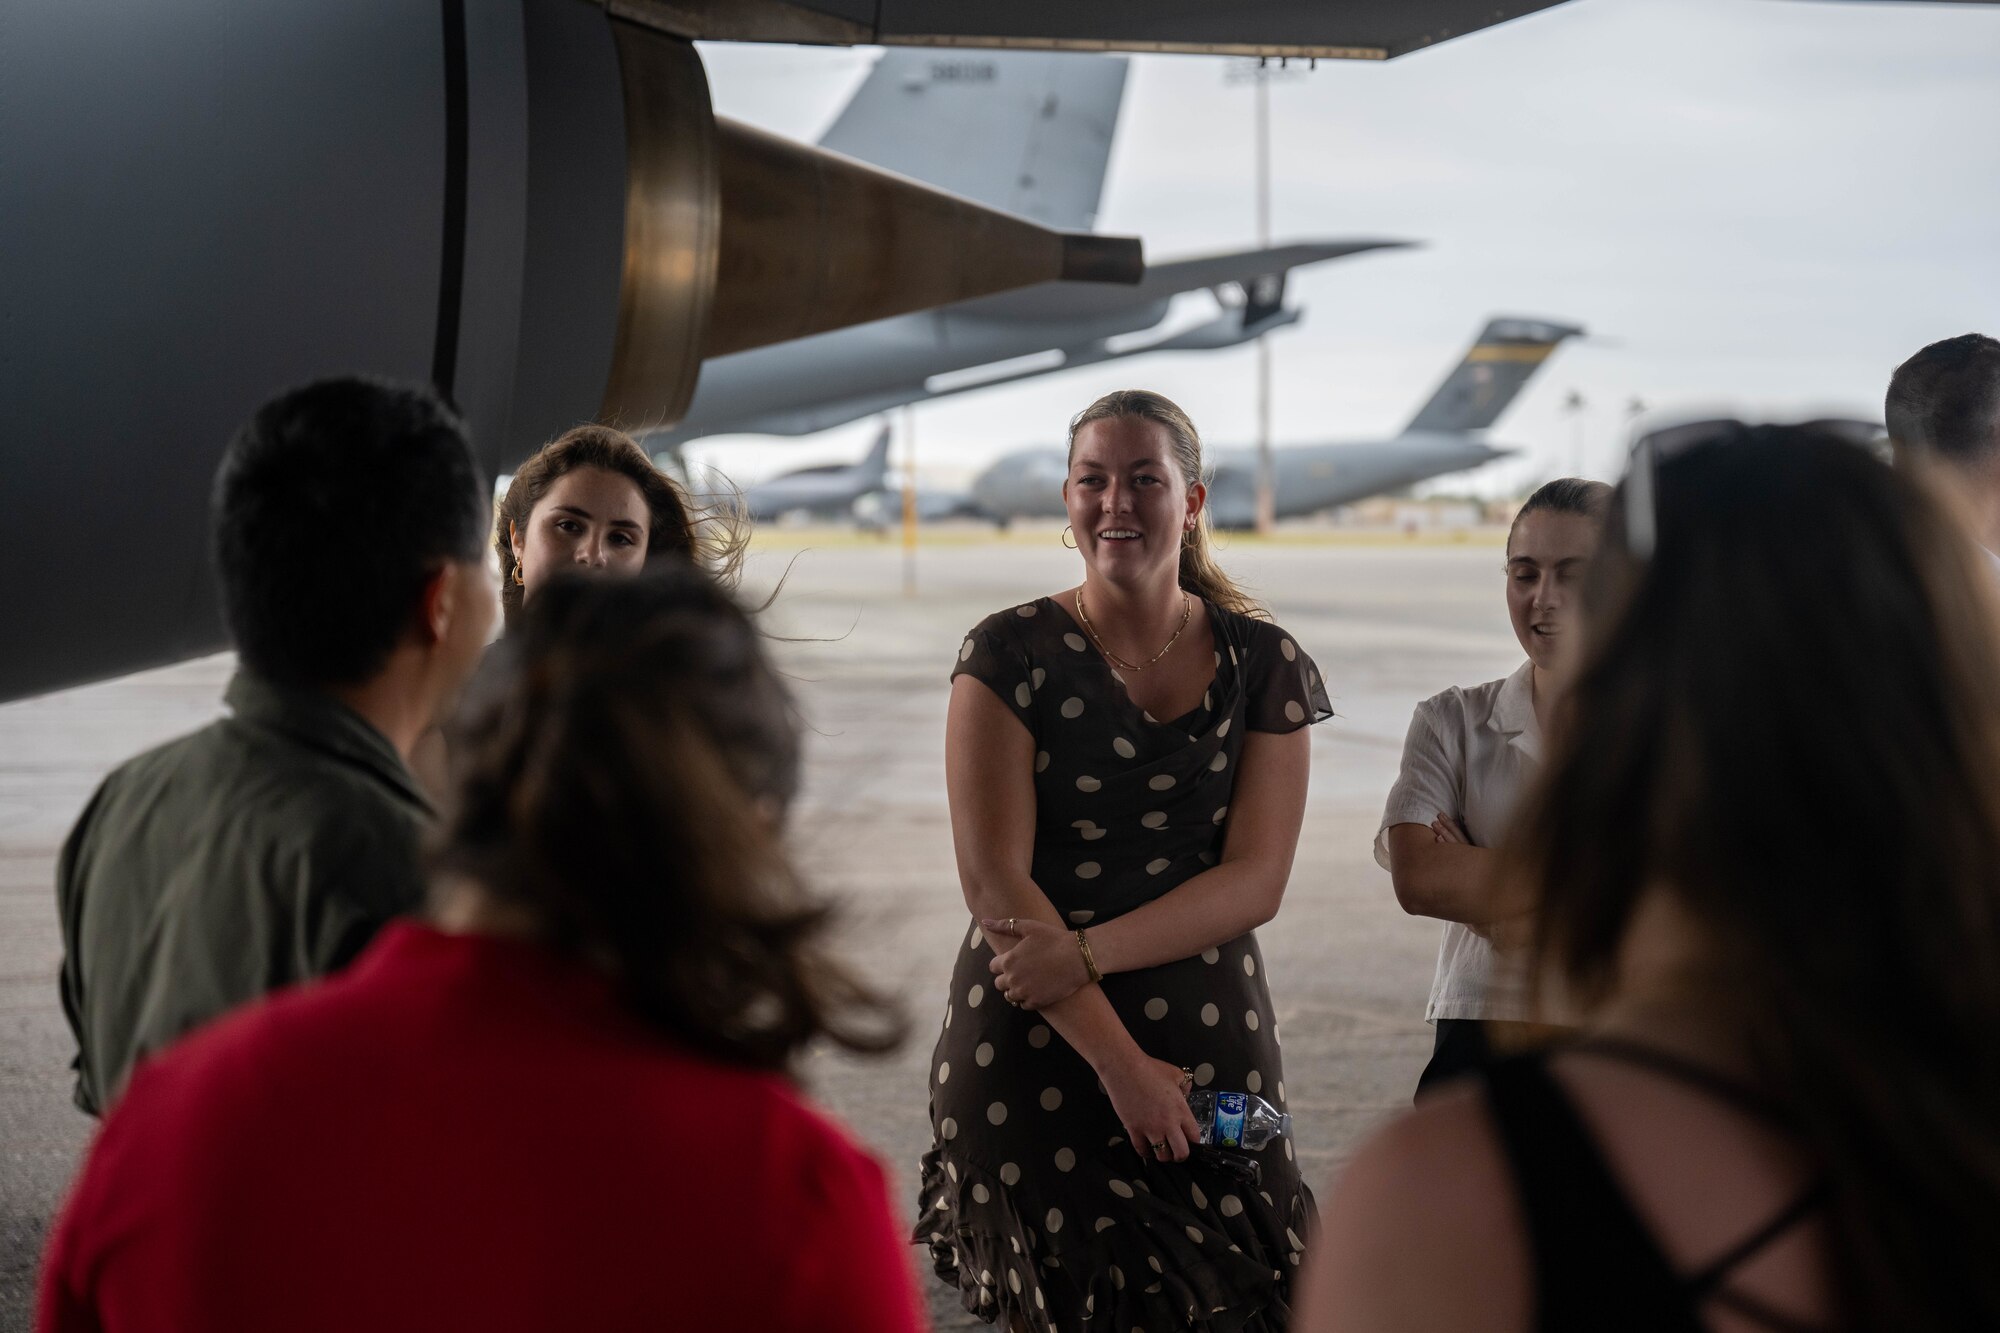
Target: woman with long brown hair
[[1765, 854], [1126, 764], [563, 1102], [591, 501]]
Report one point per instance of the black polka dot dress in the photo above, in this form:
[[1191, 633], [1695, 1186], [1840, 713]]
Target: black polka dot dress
[[1031, 1202]]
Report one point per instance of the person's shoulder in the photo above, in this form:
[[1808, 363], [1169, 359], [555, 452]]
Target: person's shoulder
[[1012, 621], [197, 749], [1430, 1196], [1463, 706]]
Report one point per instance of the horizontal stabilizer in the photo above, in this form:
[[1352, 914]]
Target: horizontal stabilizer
[[1243, 268], [1497, 367]]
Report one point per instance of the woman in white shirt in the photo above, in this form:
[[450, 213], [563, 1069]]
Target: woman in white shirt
[[1469, 755]]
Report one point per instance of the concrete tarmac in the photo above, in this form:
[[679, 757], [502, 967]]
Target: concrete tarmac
[[1388, 623]]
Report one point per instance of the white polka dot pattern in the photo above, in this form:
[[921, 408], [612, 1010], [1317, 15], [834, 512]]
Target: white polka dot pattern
[[1105, 853]]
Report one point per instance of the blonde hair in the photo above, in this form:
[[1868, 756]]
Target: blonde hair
[[1199, 574], [712, 533]]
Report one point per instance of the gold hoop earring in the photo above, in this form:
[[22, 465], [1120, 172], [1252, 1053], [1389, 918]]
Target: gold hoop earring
[[519, 582], [1068, 533]]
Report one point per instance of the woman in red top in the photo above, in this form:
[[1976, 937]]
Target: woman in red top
[[562, 1103]]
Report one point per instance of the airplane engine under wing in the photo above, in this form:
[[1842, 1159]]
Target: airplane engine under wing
[[529, 203]]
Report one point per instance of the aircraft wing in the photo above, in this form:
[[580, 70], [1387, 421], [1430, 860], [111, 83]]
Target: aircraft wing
[[1067, 300], [1352, 30]]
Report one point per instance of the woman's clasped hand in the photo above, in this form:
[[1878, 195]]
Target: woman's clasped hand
[[1034, 963], [1150, 1097]]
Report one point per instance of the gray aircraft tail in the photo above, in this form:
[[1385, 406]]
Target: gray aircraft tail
[[1025, 131], [873, 470], [1498, 366]]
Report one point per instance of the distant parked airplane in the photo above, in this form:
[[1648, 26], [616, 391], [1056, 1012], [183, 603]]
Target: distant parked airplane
[[1025, 131], [1440, 439], [825, 492]]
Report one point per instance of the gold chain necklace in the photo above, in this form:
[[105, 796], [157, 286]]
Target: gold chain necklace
[[1187, 613]]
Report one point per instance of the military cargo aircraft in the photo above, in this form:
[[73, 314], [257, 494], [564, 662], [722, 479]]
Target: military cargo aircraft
[[529, 203], [827, 491], [1030, 133], [1444, 436]]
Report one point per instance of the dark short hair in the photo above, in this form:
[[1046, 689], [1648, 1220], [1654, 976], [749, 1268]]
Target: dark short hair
[[1565, 495], [334, 505], [1946, 400], [619, 764]]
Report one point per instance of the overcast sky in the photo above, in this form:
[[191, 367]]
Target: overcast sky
[[1761, 204]]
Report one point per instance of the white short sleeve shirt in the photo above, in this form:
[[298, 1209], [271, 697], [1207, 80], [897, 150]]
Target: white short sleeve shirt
[[1470, 754]]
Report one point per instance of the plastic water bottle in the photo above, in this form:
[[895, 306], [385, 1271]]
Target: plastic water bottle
[[1237, 1119]]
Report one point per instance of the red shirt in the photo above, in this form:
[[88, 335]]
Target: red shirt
[[467, 1132]]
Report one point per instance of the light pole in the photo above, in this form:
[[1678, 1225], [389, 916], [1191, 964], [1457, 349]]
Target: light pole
[[1261, 74], [909, 500]]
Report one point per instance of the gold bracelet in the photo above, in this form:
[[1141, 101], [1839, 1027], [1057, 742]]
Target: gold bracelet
[[1089, 963]]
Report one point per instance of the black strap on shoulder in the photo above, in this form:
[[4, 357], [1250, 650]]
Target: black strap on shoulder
[[1701, 1284], [1758, 1312], [1682, 1070], [1596, 1265]]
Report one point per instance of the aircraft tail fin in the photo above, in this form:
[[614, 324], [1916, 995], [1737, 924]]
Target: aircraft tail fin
[[873, 470], [1041, 123], [1498, 366]]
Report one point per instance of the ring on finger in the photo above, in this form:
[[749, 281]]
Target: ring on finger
[[1159, 1149]]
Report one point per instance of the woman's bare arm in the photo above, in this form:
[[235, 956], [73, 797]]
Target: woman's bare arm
[[1245, 888], [1452, 881], [989, 780]]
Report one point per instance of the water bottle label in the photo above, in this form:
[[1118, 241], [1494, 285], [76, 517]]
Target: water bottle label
[[1230, 1110]]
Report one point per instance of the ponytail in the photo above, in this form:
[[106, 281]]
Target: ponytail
[[1200, 573]]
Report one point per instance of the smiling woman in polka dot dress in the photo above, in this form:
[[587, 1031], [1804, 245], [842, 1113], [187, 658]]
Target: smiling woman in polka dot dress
[[1126, 763]]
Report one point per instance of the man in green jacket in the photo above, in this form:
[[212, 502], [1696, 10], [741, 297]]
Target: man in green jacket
[[268, 847]]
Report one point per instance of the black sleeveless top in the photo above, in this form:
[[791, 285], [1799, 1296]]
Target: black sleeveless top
[[1596, 1264]]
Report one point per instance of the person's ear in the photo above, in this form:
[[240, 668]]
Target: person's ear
[[514, 541], [1197, 496], [440, 601]]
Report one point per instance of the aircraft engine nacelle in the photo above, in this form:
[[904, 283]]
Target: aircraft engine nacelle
[[529, 203]]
